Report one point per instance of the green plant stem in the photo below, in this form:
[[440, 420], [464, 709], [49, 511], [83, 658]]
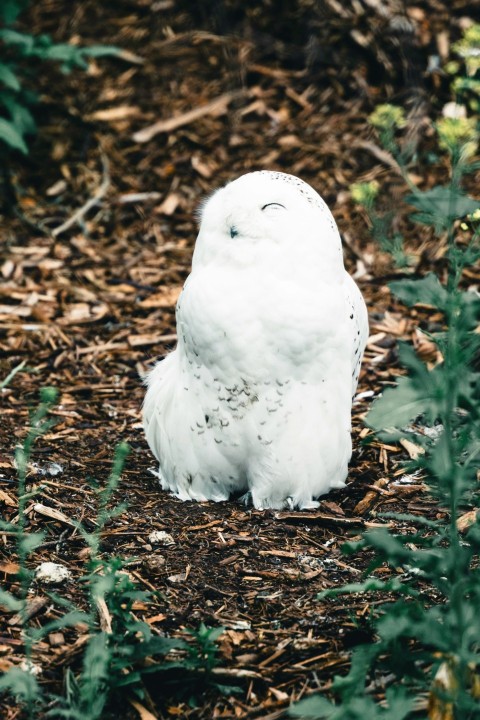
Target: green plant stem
[[453, 485], [37, 427], [23, 574], [12, 374]]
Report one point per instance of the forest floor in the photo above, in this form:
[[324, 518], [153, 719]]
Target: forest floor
[[90, 307]]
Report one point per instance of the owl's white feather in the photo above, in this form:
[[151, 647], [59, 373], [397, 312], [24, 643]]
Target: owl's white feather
[[271, 330]]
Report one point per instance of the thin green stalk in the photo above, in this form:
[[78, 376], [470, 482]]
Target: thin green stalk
[[454, 486], [38, 427], [12, 374]]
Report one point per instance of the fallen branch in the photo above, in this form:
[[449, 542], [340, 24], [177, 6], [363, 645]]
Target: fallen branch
[[301, 516], [100, 193], [237, 673], [383, 155], [215, 107]]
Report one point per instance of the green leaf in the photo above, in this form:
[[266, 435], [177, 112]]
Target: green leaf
[[10, 9], [410, 360], [22, 118], [440, 205], [397, 406], [420, 393], [415, 519], [8, 78], [31, 541], [69, 55], [95, 672], [11, 137], [316, 707], [159, 646], [10, 602], [95, 51], [426, 291], [400, 703], [9, 527], [353, 684], [70, 619], [48, 395], [20, 683], [22, 41]]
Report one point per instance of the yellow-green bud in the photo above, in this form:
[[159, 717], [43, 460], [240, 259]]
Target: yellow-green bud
[[469, 48], [458, 134], [452, 67], [387, 117], [475, 216], [364, 193]]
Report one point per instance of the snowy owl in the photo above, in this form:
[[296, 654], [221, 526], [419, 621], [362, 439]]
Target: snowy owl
[[256, 398]]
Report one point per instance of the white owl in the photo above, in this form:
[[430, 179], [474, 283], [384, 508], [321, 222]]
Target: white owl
[[257, 396]]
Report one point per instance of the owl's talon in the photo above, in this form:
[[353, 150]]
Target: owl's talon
[[246, 499]]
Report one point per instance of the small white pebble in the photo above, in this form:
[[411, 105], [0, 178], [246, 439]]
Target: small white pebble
[[160, 537], [179, 578], [238, 624], [31, 667], [50, 468], [432, 432], [53, 468], [52, 573], [454, 110]]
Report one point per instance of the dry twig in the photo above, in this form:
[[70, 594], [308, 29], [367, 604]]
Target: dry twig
[[100, 193]]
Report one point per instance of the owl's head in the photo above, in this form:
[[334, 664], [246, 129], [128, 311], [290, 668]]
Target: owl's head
[[267, 217]]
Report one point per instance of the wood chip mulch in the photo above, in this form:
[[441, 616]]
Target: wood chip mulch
[[93, 261]]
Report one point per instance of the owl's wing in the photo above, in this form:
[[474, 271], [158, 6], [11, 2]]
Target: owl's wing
[[199, 450], [358, 317]]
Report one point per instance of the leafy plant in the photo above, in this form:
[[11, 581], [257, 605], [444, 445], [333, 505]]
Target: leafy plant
[[21, 681], [203, 652], [120, 649], [466, 72], [25, 54], [365, 194], [421, 643]]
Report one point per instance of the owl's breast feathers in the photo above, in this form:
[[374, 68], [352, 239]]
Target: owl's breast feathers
[[258, 327]]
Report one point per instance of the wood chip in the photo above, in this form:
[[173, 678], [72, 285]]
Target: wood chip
[[467, 520], [142, 711], [54, 514], [113, 114], [413, 450], [370, 498], [214, 107], [6, 497], [150, 339], [34, 605]]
